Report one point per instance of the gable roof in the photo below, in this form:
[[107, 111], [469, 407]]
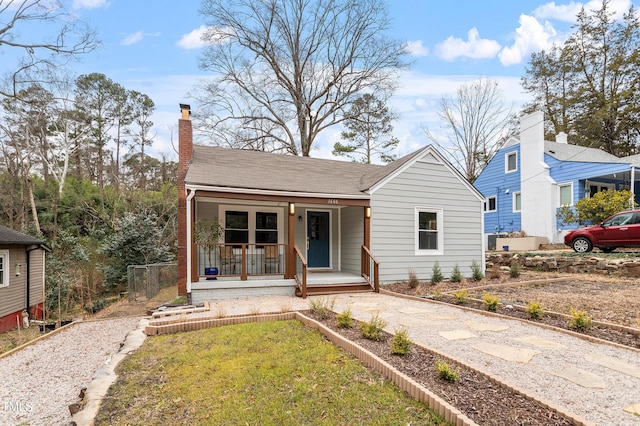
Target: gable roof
[[10, 237], [257, 170]]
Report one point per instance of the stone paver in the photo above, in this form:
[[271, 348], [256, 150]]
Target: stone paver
[[508, 353], [581, 377], [482, 326], [614, 364], [536, 341], [457, 334]]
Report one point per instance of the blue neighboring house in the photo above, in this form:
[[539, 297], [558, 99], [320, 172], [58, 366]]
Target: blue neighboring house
[[529, 179]]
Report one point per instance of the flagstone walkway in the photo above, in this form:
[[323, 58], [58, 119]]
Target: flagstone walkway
[[596, 381]]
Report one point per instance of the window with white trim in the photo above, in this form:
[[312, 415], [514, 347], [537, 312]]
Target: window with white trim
[[566, 194], [510, 162], [252, 224], [236, 227], [4, 268], [517, 202], [429, 231], [491, 204]]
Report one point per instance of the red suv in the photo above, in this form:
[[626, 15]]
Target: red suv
[[620, 230]]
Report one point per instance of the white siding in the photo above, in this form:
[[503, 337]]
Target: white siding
[[393, 229]]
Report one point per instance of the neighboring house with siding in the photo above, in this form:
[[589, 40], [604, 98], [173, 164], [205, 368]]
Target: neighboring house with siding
[[529, 179], [22, 261], [279, 211]]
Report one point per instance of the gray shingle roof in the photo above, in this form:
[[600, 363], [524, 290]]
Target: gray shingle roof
[[11, 237], [233, 168], [567, 152]]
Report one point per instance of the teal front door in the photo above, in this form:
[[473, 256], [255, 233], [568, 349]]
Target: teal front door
[[318, 239]]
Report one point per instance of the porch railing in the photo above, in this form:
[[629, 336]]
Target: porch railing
[[241, 260], [301, 272], [369, 264]]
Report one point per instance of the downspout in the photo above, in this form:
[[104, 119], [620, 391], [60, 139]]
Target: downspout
[[633, 186], [191, 193]]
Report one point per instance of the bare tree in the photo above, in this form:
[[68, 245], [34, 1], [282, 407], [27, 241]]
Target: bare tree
[[46, 33], [286, 69], [478, 124]]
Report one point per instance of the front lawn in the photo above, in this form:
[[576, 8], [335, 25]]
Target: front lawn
[[271, 373]]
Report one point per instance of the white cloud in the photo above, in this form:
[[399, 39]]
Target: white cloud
[[202, 36], [415, 48], [568, 12], [132, 38], [531, 36], [90, 4], [475, 47]]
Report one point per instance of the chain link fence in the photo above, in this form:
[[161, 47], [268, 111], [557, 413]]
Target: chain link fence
[[146, 281]]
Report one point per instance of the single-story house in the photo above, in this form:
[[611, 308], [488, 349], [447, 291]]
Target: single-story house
[[303, 224], [529, 179], [22, 268]]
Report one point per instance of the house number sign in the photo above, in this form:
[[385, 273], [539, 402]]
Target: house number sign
[[332, 201]]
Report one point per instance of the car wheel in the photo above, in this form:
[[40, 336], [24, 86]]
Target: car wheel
[[582, 245], [607, 249]]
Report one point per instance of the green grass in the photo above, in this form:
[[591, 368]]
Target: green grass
[[271, 373]]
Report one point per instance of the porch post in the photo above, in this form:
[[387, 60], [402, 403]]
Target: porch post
[[193, 257], [367, 227], [364, 265], [290, 269]]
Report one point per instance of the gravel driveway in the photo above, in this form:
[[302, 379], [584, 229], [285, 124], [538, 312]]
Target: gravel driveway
[[39, 382]]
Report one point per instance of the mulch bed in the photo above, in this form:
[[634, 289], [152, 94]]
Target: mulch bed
[[474, 394]]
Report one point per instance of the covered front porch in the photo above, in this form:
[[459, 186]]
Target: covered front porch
[[276, 244]]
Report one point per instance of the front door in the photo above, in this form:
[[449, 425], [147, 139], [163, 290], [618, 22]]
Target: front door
[[318, 239]]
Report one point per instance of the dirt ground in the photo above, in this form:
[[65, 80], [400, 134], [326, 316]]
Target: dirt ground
[[604, 298]]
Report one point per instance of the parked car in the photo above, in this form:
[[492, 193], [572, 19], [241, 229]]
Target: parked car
[[620, 230]]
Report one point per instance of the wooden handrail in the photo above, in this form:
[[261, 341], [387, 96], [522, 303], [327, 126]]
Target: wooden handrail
[[301, 283], [368, 258]]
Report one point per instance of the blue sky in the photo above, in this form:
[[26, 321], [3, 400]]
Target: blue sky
[[153, 46]]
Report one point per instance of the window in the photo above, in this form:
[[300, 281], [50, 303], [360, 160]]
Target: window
[[511, 162], [429, 238], [4, 268], [491, 204], [236, 227], [566, 194], [517, 202], [266, 228]]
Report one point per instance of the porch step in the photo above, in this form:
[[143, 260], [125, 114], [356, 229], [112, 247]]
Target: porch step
[[317, 290]]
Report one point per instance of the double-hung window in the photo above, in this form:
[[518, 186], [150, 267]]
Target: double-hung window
[[566, 194], [266, 228], [491, 204], [236, 227], [510, 162], [4, 268], [429, 231]]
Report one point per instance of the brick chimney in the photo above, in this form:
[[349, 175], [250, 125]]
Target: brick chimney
[[185, 153]]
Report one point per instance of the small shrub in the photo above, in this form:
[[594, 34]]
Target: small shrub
[[437, 294], [372, 329], [490, 302], [456, 275], [494, 272], [401, 344], [345, 320], [461, 296], [436, 274], [514, 269], [476, 271], [322, 307], [413, 279], [446, 372], [580, 320], [535, 310]]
